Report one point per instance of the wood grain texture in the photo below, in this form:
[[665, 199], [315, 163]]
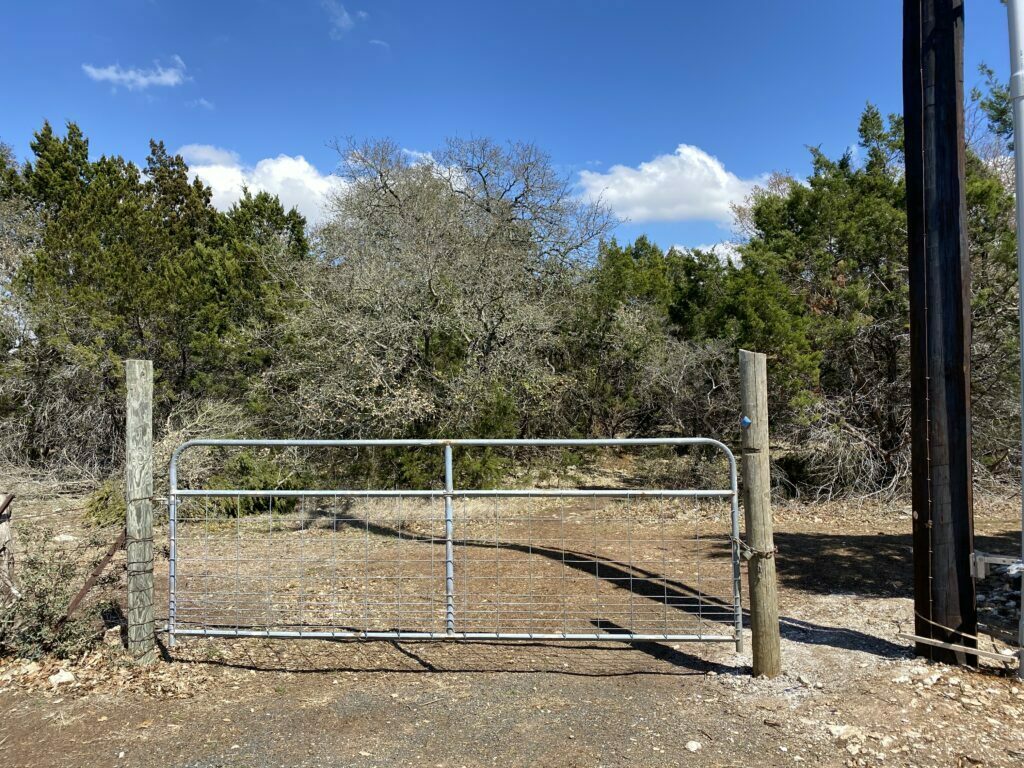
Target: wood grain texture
[[757, 510], [8, 591], [139, 505], [940, 328]]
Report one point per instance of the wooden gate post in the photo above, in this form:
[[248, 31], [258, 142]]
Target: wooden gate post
[[139, 506], [757, 508], [8, 592]]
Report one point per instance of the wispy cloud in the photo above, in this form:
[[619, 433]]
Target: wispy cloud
[[291, 177], [688, 185], [381, 44], [341, 20], [137, 79], [203, 104]]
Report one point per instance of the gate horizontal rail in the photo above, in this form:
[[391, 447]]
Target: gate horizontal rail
[[283, 571]]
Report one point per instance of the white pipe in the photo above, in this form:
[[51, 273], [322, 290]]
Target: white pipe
[[1016, 24]]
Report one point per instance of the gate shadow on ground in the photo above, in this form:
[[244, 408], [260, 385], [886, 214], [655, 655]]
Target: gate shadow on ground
[[577, 659], [655, 587], [867, 565]]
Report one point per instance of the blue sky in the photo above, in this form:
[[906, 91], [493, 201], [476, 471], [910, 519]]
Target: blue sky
[[670, 109]]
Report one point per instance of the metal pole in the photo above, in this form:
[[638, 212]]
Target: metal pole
[[172, 563], [449, 544], [737, 596], [1016, 24]]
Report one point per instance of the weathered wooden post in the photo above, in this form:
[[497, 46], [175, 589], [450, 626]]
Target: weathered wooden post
[[939, 274], [757, 508], [8, 591], [139, 505]]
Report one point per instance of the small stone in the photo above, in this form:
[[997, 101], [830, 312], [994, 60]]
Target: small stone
[[112, 637], [845, 732], [694, 746], [61, 677]]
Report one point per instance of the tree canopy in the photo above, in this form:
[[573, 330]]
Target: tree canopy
[[471, 292]]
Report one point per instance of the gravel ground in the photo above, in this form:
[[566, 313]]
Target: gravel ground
[[851, 693]]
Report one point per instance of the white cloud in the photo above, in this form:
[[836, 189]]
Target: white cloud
[[341, 20], [135, 79], [292, 178], [726, 250], [688, 185], [416, 157], [207, 154], [381, 44], [204, 103]]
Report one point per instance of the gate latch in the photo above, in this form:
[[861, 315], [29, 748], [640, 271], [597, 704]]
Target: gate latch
[[748, 552]]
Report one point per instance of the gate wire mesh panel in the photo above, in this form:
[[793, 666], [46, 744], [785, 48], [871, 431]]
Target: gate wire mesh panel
[[610, 564], [654, 566], [333, 565]]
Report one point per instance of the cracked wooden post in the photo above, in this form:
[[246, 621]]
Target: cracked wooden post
[[139, 508], [757, 510]]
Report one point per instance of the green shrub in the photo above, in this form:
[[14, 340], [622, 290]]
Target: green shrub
[[250, 469], [48, 576], [106, 505]]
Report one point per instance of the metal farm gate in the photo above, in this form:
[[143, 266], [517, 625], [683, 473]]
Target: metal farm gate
[[456, 564]]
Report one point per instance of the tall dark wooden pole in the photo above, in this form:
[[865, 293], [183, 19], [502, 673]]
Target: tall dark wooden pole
[[940, 327]]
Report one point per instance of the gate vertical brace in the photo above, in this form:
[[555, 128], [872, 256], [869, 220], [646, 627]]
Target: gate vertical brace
[[734, 529], [940, 330], [449, 543], [172, 558]]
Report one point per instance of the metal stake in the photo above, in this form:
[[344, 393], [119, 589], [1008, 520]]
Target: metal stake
[[1016, 24]]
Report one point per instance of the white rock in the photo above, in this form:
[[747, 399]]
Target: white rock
[[845, 732], [112, 637], [60, 677], [694, 746]]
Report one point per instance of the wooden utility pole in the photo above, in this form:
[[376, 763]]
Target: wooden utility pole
[[139, 504], [940, 328], [757, 510]]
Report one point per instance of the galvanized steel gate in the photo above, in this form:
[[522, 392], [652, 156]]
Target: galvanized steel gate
[[454, 564]]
